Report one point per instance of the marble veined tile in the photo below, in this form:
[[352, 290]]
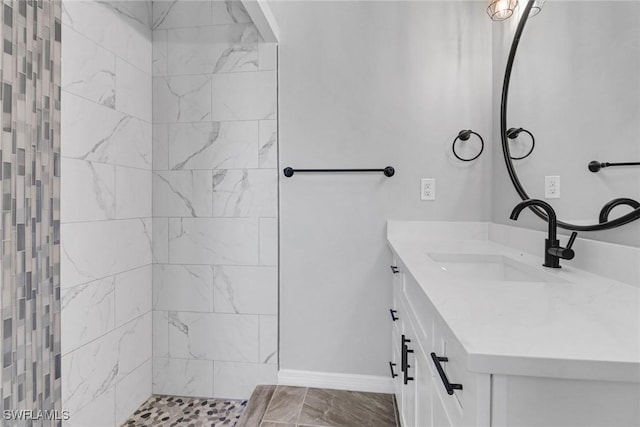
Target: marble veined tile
[[183, 287], [245, 193], [268, 241], [94, 303], [97, 413], [269, 339], [133, 344], [212, 49], [160, 334], [133, 294], [161, 146], [89, 70], [213, 145], [133, 91], [113, 28], [181, 99], [89, 371], [134, 193], [267, 56], [245, 289], [132, 391], [237, 380], [121, 245], [159, 55], [244, 96], [135, 11], [268, 154], [88, 191], [212, 336], [183, 377], [181, 13], [160, 240], [229, 12], [97, 133], [186, 193], [228, 241]]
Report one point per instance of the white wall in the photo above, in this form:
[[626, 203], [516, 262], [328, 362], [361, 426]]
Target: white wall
[[215, 280], [575, 86], [106, 210], [361, 85]]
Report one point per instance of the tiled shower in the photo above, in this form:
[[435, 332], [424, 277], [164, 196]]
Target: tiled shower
[[165, 218]]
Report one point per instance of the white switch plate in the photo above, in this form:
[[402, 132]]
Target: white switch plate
[[552, 187], [428, 189]]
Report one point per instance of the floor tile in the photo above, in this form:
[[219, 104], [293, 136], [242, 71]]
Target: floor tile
[[286, 404], [339, 408], [257, 406]]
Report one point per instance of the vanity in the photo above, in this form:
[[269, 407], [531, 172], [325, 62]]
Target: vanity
[[483, 335]]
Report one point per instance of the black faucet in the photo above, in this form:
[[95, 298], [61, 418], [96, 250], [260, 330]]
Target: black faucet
[[552, 249], [606, 209]]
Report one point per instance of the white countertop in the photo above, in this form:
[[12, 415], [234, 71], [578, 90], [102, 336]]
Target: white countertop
[[584, 327]]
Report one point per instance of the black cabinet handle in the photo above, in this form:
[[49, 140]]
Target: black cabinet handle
[[393, 374], [395, 269], [403, 347], [405, 365], [393, 314], [447, 385]]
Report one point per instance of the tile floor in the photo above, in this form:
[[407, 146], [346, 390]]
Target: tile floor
[[286, 406], [271, 406], [172, 411]]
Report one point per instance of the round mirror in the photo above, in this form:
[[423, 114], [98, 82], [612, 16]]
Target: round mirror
[[571, 96]]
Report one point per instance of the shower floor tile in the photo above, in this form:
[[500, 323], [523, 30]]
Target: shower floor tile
[[172, 411]]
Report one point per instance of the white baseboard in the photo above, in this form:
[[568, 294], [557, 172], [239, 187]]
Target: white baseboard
[[335, 381]]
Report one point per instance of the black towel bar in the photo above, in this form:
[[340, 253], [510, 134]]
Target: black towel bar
[[388, 171]]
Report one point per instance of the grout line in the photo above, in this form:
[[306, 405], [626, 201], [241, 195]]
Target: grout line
[[67, 288], [302, 405]]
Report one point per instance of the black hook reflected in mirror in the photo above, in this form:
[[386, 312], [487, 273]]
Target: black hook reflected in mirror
[[513, 133]]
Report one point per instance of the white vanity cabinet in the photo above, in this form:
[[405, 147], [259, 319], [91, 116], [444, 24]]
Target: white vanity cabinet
[[486, 399], [420, 391]]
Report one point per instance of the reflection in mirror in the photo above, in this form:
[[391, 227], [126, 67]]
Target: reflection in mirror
[[575, 84]]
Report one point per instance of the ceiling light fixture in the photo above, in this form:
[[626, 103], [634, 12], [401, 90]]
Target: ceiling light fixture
[[499, 10]]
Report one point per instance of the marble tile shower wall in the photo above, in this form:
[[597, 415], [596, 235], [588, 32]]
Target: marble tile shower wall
[[106, 210], [30, 207], [215, 208]]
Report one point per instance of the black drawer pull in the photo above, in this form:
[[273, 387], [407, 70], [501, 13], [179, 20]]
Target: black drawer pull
[[393, 374], [395, 269], [403, 347], [393, 314], [407, 378], [450, 387]]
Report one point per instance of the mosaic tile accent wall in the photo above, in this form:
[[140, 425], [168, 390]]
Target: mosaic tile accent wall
[[30, 206], [215, 201]]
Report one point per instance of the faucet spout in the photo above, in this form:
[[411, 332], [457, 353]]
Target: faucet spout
[[551, 214], [552, 249]]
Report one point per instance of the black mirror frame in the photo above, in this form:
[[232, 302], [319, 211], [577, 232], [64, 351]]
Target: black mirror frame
[[617, 222]]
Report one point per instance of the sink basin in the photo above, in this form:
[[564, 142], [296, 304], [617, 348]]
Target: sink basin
[[490, 267]]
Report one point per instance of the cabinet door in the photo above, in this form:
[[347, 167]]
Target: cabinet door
[[440, 418], [424, 389], [408, 414], [396, 360]]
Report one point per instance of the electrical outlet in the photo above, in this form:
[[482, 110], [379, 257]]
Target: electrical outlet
[[552, 187], [428, 189]]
